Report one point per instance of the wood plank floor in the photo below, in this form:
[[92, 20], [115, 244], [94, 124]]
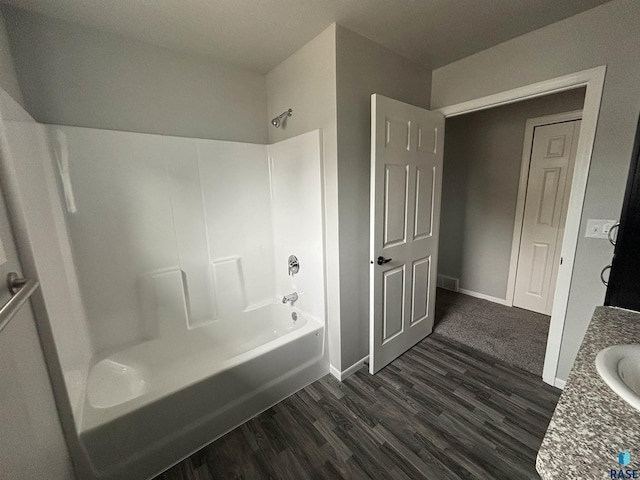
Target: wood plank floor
[[440, 411]]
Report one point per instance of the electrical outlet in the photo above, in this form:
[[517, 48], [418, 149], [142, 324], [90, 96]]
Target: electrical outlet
[[598, 228]]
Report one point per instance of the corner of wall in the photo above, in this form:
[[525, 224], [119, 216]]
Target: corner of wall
[[120, 83], [306, 83], [363, 67]]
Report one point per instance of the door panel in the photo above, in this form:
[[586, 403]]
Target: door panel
[[551, 189], [397, 134], [538, 267], [393, 303], [547, 199], [425, 188], [395, 204], [420, 291], [427, 138], [406, 183]]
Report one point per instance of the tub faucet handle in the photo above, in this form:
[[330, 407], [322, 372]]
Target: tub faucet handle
[[294, 265]]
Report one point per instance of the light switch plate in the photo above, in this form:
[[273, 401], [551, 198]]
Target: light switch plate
[[599, 228]]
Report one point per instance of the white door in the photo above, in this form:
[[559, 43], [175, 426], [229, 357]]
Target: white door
[[406, 183], [553, 157]]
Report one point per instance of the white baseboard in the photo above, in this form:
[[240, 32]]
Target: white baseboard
[[559, 383], [471, 293], [342, 375]]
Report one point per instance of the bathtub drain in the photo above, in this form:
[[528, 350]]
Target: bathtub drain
[[294, 315]]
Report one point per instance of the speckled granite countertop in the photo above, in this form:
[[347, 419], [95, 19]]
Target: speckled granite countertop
[[591, 424]]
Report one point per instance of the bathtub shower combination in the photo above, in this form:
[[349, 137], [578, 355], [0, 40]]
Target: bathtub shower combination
[[195, 278]]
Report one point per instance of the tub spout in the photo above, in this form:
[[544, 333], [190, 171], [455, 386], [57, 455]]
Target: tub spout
[[292, 297]]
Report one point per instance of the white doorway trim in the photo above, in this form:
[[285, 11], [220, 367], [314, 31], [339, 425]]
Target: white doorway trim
[[593, 80], [531, 124]]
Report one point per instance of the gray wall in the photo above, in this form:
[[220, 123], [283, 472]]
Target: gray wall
[[363, 68], [73, 75], [606, 35], [482, 159], [8, 79], [328, 83]]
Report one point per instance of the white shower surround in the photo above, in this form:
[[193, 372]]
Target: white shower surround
[[208, 222], [174, 240]]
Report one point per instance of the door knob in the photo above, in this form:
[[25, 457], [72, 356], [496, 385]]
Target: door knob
[[382, 260]]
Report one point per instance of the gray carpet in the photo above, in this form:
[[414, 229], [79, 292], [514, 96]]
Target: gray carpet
[[516, 336]]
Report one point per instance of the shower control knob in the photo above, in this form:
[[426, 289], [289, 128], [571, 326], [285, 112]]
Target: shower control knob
[[382, 260], [293, 264]]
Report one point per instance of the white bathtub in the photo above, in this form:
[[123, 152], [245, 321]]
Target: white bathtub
[[153, 403]]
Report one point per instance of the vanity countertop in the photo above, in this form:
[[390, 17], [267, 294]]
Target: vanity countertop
[[591, 424]]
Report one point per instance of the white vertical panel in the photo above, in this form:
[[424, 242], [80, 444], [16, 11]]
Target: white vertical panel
[[549, 197], [425, 183], [538, 269], [421, 279], [395, 204], [189, 222], [392, 303]]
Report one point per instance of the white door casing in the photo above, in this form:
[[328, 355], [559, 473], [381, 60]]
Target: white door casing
[[593, 80], [553, 156], [406, 183]]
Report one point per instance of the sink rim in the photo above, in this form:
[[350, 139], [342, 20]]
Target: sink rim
[[607, 361]]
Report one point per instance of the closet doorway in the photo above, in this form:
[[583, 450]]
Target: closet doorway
[[505, 196], [548, 161]]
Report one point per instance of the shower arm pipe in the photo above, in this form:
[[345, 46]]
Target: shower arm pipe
[[277, 121]]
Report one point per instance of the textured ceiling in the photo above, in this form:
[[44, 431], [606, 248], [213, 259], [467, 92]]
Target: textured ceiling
[[259, 34]]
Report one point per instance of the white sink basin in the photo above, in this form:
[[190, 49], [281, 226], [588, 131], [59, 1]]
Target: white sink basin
[[619, 367]]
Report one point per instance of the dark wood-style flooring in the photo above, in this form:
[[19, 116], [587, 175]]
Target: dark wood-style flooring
[[440, 411]]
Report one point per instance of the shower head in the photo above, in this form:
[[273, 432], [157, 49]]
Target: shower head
[[276, 122]]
